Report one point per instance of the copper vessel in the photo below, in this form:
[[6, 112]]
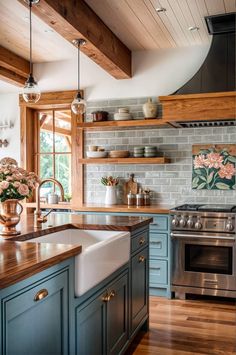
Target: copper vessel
[[10, 216]]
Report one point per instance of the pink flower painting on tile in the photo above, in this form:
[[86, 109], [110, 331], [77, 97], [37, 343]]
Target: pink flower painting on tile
[[214, 167]]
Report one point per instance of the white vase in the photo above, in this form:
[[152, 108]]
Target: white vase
[[150, 109], [110, 198]]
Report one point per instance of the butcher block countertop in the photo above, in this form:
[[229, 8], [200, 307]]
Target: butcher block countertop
[[22, 260], [90, 207]]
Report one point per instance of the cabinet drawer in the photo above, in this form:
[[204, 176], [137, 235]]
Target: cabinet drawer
[[139, 241], [158, 272], [160, 223], [158, 245]]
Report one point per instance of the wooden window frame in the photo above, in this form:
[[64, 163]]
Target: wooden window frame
[[29, 141]]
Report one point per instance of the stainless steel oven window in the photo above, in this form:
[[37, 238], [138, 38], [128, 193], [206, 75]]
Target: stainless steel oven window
[[208, 259]]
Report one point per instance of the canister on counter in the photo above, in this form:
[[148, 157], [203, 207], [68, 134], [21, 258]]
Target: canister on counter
[[146, 199], [139, 198], [131, 199]]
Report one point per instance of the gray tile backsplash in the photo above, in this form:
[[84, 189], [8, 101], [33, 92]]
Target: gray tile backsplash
[[170, 183]]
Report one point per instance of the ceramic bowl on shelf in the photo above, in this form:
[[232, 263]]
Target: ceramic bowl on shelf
[[91, 154], [119, 154], [122, 116]]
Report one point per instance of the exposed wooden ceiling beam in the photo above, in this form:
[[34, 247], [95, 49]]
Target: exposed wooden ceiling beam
[[11, 77], [13, 69], [13, 62], [75, 19]]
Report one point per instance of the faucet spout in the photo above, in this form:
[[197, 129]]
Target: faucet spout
[[39, 219]]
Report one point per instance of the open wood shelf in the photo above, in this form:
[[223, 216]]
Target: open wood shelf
[[156, 160], [110, 125]]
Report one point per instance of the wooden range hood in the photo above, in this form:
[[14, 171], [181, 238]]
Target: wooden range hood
[[197, 110]]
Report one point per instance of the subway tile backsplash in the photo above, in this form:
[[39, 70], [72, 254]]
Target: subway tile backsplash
[[170, 183]]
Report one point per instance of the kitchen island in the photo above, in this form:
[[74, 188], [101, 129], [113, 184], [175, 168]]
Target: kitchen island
[[40, 313]]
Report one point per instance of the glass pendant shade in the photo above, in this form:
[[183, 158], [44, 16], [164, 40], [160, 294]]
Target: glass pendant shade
[[31, 92], [78, 105]]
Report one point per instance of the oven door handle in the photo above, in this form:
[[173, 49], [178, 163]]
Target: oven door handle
[[183, 236]]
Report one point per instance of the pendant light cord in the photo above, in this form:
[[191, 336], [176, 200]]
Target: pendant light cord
[[30, 18], [78, 66]]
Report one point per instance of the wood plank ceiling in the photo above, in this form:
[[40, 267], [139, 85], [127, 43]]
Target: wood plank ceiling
[[139, 26], [14, 35]]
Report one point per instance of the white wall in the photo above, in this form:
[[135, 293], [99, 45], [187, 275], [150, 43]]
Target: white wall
[[155, 73], [9, 112]]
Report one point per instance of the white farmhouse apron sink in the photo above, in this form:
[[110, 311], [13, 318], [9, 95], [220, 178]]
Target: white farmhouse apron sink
[[102, 253]]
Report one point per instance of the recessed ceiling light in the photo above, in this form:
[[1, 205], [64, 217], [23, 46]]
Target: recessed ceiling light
[[160, 9], [48, 30], [193, 28]]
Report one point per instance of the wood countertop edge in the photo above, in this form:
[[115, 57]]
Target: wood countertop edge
[[18, 275], [152, 209]]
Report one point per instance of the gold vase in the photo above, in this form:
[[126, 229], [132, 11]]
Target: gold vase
[[10, 216]]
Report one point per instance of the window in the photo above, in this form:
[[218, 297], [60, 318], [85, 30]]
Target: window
[[54, 148]]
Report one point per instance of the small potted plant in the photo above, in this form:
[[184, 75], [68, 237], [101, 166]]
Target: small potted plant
[[16, 184], [110, 182]]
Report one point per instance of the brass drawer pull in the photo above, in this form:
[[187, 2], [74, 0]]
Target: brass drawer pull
[[141, 259], [108, 296], [141, 241], [41, 294]]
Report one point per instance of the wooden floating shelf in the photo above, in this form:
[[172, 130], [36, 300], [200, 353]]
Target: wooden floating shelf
[[156, 160], [110, 125]]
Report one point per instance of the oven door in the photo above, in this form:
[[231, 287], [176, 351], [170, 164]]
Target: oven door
[[204, 260]]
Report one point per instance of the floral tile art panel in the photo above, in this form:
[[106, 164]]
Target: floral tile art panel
[[214, 167]]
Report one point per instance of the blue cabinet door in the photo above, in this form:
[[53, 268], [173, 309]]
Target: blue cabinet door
[[139, 287], [117, 316], [91, 327], [35, 319], [102, 321]]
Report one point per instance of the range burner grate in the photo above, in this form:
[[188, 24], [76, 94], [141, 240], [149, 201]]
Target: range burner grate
[[207, 208]]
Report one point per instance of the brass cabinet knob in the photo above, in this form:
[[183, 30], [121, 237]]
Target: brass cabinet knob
[[141, 241], [41, 294], [141, 259], [108, 296]]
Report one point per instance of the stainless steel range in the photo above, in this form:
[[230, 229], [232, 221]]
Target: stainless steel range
[[204, 250]]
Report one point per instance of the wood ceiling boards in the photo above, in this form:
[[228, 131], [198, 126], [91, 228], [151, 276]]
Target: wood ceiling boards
[[139, 26]]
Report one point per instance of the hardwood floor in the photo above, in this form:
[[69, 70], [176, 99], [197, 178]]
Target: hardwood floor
[[189, 327]]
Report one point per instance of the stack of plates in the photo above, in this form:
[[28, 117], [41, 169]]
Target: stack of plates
[[122, 115], [119, 154], [138, 152], [150, 151]]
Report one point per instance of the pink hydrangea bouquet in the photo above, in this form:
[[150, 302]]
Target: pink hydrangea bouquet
[[15, 182]]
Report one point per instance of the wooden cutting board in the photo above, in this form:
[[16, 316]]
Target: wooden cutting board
[[128, 186]]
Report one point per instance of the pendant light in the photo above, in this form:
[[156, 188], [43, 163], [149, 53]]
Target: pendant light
[[31, 92], [78, 105]]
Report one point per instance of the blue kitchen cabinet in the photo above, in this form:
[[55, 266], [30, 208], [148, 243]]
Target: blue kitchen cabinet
[[35, 314], [41, 315], [102, 321]]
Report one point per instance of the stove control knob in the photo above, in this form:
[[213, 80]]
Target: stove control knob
[[229, 226], [198, 224], [182, 222], [175, 221], [190, 222]]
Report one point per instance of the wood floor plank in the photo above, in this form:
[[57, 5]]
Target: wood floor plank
[[188, 327]]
